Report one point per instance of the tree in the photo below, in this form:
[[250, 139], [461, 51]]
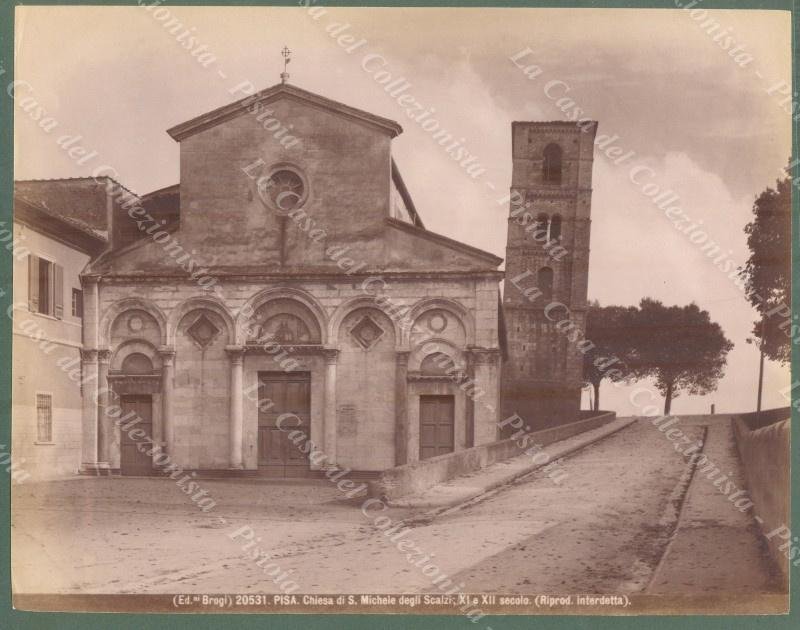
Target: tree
[[607, 329], [679, 346], [767, 273]]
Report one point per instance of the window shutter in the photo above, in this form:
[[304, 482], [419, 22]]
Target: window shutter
[[33, 283], [58, 291]]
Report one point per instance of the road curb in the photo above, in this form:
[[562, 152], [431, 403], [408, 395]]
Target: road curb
[[554, 450]]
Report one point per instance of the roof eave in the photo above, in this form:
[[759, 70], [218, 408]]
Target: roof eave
[[440, 239], [226, 112]]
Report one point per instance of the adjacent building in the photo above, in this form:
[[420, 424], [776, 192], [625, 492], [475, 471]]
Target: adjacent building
[[50, 249]]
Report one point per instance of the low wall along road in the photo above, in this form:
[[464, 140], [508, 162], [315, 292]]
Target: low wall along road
[[763, 443], [419, 476]]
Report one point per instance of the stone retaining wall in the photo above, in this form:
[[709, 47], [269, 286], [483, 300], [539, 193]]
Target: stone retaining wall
[[765, 458], [419, 476]]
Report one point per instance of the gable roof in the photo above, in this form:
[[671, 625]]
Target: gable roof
[[84, 199], [481, 256], [69, 230], [226, 112]]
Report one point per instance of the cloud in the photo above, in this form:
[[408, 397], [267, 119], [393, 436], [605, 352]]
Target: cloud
[[705, 125], [637, 252]]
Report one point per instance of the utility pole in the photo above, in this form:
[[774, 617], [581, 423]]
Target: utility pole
[[761, 365]]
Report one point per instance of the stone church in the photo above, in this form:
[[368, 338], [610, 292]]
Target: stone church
[[289, 272], [288, 283]]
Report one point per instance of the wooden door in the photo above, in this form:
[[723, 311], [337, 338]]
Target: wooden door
[[436, 425], [134, 459], [278, 456]]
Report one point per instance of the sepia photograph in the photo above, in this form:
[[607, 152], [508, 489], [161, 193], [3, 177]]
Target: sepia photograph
[[455, 311]]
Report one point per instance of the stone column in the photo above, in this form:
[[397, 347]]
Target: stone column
[[401, 431], [329, 424], [469, 405], [104, 424], [167, 434], [236, 418], [89, 446], [91, 312]]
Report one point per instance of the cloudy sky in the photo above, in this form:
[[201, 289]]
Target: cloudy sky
[[702, 119]]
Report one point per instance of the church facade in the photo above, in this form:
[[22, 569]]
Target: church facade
[[286, 283]]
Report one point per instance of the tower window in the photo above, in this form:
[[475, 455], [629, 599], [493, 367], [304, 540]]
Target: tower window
[[555, 228], [551, 168], [545, 282], [542, 223]]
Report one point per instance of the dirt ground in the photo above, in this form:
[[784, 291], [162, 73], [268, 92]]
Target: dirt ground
[[603, 529]]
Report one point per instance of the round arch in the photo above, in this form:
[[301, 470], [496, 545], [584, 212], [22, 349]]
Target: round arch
[[267, 295], [200, 303], [129, 304], [436, 346], [347, 307], [454, 308], [134, 346]]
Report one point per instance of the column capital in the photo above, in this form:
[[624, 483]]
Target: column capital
[[89, 355], [167, 354], [103, 356], [236, 354], [331, 355], [90, 279]]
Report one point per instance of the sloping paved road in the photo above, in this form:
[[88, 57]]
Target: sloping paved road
[[610, 520], [603, 529], [717, 547]]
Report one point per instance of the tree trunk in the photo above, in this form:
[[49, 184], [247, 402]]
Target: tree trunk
[[596, 396], [668, 400]]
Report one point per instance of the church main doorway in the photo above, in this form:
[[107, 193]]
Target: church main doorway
[[278, 456]]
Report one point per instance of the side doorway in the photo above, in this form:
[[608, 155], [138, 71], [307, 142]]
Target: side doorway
[[134, 459], [436, 425]]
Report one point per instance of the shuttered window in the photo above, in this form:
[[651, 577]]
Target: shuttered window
[[45, 287], [44, 417]]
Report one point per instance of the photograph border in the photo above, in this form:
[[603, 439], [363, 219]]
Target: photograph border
[[10, 618]]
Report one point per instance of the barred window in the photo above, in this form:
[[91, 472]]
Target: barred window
[[77, 303], [44, 417]]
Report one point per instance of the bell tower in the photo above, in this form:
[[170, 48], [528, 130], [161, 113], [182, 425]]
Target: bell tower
[[547, 268]]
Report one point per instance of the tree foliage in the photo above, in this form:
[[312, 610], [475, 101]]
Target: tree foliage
[[767, 273], [678, 346], [607, 329]]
